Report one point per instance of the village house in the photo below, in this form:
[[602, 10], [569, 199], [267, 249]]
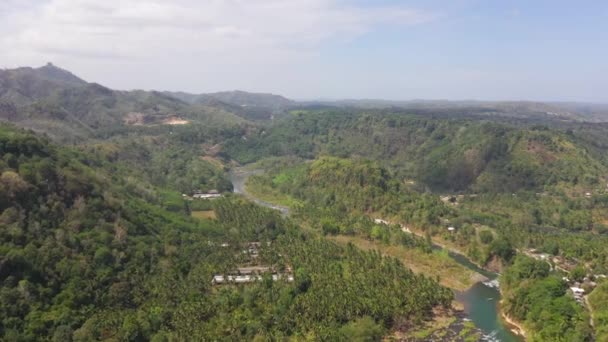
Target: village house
[[253, 248], [253, 270], [211, 194], [578, 294], [242, 279], [251, 274]]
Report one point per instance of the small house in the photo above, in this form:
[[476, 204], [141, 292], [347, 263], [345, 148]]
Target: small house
[[577, 290]]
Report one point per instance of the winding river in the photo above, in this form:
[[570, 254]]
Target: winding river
[[480, 301]]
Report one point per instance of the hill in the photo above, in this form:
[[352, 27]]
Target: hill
[[252, 106], [546, 111], [460, 153], [54, 101]]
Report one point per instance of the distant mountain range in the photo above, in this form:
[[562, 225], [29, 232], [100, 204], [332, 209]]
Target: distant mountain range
[[55, 101], [237, 98], [59, 103], [256, 106], [594, 112]]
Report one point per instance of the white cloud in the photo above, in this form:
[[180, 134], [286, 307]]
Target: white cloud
[[211, 38], [138, 28]]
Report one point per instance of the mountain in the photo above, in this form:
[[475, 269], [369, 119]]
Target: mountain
[[23, 85], [238, 98], [515, 109], [53, 73], [254, 106], [52, 100]]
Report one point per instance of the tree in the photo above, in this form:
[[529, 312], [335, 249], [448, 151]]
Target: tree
[[486, 236], [503, 249], [578, 273]]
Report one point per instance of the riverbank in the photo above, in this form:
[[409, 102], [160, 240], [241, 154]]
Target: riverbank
[[446, 325], [450, 273], [515, 326]]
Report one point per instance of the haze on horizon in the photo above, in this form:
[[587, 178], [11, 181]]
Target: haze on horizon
[[306, 49]]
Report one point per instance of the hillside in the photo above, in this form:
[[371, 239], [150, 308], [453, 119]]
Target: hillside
[[461, 153], [238, 98], [54, 101], [590, 112], [252, 106]]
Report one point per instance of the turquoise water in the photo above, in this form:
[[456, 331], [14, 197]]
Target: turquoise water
[[481, 304]]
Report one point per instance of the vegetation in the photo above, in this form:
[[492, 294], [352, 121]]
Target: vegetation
[[338, 196], [85, 259], [597, 301], [98, 241], [539, 299], [446, 154]]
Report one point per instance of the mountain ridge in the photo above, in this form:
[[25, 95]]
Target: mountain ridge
[[55, 101]]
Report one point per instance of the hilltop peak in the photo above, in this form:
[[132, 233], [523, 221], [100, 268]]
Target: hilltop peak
[[53, 73]]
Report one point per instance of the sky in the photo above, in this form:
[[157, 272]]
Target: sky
[[321, 49]]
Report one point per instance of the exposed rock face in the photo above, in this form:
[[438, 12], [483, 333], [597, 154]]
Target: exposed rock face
[[494, 265]]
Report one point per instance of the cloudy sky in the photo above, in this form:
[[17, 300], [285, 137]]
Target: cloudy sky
[[304, 49]]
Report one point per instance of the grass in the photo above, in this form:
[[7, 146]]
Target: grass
[[468, 328], [450, 273], [270, 195], [204, 214]]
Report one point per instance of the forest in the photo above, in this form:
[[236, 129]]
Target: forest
[[101, 237], [84, 258]]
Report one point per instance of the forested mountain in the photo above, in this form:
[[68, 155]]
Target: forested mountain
[[459, 153], [52, 100], [239, 98], [253, 106], [511, 109]]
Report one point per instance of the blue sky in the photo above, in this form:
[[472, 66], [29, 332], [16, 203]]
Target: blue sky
[[460, 49]]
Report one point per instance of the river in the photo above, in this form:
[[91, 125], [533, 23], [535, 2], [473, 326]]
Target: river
[[481, 304], [480, 301]]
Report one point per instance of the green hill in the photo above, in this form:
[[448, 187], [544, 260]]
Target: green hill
[[445, 154], [54, 101], [251, 106]]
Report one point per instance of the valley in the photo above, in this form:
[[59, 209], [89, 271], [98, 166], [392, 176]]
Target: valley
[[131, 215]]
